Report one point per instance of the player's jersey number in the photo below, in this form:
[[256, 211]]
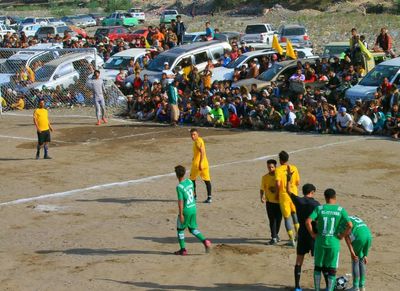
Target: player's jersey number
[[329, 226]]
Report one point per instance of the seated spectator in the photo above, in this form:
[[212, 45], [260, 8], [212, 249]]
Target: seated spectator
[[344, 121], [217, 115], [203, 117], [298, 76], [226, 59], [233, 121], [188, 113], [384, 42], [119, 79], [393, 122], [363, 124], [331, 120], [258, 119], [310, 76], [19, 105], [288, 121], [253, 70], [162, 114]]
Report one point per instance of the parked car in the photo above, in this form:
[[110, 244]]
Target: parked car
[[366, 88], [86, 20], [25, 58], [64, 71], [302, 52], [34, 20], [121, 60], [168, 15], [4, 29], [138, 34], [98, 17], [192, 37], [29, 29], [296, 34], [113, 33], [138, 13], [120, 18], [336, 49], [278, 73], [262, 32], [196, 54], [43, 31], [55, 21]]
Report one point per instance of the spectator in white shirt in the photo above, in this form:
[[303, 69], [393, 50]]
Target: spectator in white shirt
[[364, 124], [344, 121]]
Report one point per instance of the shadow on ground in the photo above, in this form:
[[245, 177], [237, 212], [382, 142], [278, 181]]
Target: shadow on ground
[[101, 252], [124, 200]]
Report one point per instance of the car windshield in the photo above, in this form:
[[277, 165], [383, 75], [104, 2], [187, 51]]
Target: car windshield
[[236, 62], [46, 30], [170, 12], [294, 31], [270, 73], [28, 20], [115, 63], [335, 50], [157, 64], [254, 29], [11, 66], [375, 77], [44, 73]]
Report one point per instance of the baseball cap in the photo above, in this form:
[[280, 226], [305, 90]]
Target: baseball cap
[[342, 109]]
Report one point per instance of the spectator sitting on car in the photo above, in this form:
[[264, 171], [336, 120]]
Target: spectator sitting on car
[[253, 70], [384, 42], [209, 32], [298, 76], [226, 59]]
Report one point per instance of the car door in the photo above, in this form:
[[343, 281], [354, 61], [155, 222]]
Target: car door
[[282, 78], [200, 60], [64, 76]]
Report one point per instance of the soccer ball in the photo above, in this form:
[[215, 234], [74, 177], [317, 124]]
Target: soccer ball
[[341, 283]]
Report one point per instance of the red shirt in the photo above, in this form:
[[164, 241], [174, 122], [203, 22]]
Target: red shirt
[[234, 120]]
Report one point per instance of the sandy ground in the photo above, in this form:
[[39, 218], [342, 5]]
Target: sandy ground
[[121, 236]]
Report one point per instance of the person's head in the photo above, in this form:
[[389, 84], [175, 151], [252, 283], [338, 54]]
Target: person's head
[[383, 30], [178, 18], [194, 134], [353, 31], [41, 103], [330, 195], [207, 24], [342, 111], [283, 157], [180, 172], [271, 165], [309, 190], [96, 74]]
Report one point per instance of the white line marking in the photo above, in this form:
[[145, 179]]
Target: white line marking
[[151, 178], [30, 139]]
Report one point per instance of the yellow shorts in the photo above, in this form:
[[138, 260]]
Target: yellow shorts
[[287, 205], [204, 173]]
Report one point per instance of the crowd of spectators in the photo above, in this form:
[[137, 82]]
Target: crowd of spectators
[[200, 101]]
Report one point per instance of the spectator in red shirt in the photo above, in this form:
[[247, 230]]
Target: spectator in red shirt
[[385, 42], [385, 87]]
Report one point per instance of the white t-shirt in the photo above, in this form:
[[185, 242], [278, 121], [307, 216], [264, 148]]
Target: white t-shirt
[[204, 111], [343, 121], [366, 123]]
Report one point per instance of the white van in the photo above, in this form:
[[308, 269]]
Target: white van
[[261, 32], [196, 53], [366, 88]]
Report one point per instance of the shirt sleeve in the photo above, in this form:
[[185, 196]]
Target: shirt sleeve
[[314, 214], [179, 193]]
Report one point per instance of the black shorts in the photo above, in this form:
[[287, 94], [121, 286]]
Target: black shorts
[[43, 137], [305, 245]]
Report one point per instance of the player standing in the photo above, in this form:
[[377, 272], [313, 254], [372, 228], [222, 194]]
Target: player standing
[[269, 196], [200, 164], [305, 243], [43, 128], [287, 180], [327, 241], [359, 242], [187, 212]]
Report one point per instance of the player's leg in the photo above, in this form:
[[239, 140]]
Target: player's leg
[[272, 222], [278, 217], [362, 265], [294, 216], [208, 187], [286, 212], [205, 176], [39, 144], [331, 262], [297, 271], [355, 270], [193, 228], [103, 110], [98, 111], [180, 228], [318, 263]]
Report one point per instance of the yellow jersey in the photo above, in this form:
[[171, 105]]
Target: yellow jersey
[[268, 186], [281, 177], [20, 105], [41, 116], [197, 145], [3, 102]]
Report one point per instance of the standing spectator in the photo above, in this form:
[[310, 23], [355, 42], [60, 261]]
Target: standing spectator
[[173, 101], [385, 42], [209, 32], [270, 196], [96, 85], [43, 128], [180, 29], [171, 38]]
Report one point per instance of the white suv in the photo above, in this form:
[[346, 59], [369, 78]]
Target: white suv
[[262, 32], [137, 13]]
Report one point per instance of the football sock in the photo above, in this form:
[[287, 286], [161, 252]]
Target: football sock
[[46, 150], [331, 283], [198, 234], [297, 274], [181, 238], [363, 273], [325, 273], [355, 267], [38, 150], [290, 234], [317, 280], [208, 186], [295, 222]]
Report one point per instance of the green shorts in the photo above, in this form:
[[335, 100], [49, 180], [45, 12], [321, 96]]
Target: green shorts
[[361, 246], [326, 257], [190, 222]]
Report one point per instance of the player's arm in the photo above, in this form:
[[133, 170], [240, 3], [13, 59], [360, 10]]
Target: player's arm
[[347, 231], [180, 207], [50, 127], [262, 196], [36, 123], [202, 154], [351, 249], [310, 228]]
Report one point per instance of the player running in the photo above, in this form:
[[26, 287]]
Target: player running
[[327, 239], [43, 128], [359, 242], [200, 164], [287, 180], [305, 243], [187, 212], [269, 196]]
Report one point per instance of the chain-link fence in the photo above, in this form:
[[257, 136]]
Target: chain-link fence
[[58, 76]]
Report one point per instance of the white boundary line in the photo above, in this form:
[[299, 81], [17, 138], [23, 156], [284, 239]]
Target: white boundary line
[[32, 139], [151, 178]]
